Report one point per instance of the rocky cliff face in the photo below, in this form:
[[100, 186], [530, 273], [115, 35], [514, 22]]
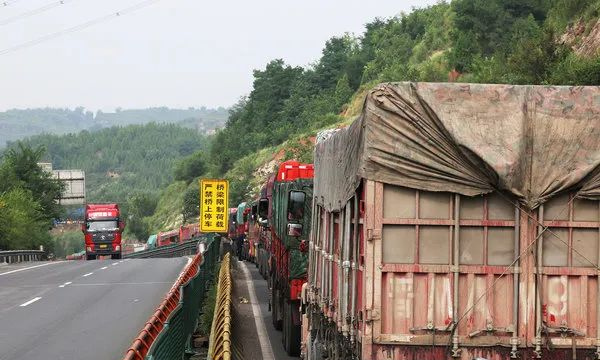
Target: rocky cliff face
[[583, 38]]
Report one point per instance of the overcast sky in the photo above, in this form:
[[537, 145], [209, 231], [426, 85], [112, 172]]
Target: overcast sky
[[176, 53]]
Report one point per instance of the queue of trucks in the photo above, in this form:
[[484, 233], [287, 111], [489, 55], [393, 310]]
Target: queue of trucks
[[448, 221]]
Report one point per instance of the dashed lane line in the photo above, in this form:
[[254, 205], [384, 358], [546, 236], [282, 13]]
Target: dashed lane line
[[88, 274], [30, 301], [65, 284]]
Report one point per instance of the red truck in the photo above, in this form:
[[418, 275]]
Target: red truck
[[102, 229], [458, 221], [290, 226]]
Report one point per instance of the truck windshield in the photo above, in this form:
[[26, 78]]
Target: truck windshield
[[296, 205], [102, 225]]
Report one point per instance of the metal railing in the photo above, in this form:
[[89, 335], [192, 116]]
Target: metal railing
[[168, 332], [176, 250], [15, 256], [220, 334]]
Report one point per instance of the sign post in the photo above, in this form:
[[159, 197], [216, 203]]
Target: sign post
[[214, 198]]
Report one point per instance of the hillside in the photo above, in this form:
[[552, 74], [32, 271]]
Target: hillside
[[122, 161], [496, 41], [18, 124]]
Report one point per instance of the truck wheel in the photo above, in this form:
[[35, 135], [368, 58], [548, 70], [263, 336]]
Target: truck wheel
[[291, 331], [275, 307], [90, 257], [116, 256]]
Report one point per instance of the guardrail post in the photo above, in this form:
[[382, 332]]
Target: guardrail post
[[15, 256]]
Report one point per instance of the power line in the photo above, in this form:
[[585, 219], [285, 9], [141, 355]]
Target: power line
[[33, 12], [6, 3], [79, 27]]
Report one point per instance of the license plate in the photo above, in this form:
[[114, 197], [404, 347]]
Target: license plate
[[104, 246]]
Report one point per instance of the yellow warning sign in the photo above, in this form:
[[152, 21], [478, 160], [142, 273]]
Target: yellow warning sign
[[214, 197]]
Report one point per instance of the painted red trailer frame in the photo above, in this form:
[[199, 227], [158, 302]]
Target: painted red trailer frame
[[167, 238], [390, 303]]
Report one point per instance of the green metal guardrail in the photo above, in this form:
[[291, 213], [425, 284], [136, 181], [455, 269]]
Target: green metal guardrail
[[186, 248], [167, 334]]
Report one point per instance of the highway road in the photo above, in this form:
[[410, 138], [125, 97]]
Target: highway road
[[79, 309]]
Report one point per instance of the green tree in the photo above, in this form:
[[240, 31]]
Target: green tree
[[191, 203], [20, 167], [23, 223], [140, 206], [190, 167]]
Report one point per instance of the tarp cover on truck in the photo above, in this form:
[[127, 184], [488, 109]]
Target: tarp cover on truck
[[529, 141]]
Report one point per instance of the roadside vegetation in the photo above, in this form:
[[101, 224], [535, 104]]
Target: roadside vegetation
[[481, 41], [27, 205], [547, 42]]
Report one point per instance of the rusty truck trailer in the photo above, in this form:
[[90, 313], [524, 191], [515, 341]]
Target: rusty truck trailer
[[458, 221]]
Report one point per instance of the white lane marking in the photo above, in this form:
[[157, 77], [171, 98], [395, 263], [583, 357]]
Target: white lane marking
[[88, 274], [115, 264], [65, 284], [104, 268], [263, 338], [30, 301], [31, 267]]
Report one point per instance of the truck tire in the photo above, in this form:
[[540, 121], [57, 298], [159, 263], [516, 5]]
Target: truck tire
[[116, 256], [291, 331], [275, 307], [90, 257]]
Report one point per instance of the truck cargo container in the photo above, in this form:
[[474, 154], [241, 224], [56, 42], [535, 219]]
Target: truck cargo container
[[291, 217], [253, 231], [102, 229], [165, 238], [458, 221], [264, 220]]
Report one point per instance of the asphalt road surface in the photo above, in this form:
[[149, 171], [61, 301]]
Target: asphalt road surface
[[262, 293], [79, 309], [254, 314]]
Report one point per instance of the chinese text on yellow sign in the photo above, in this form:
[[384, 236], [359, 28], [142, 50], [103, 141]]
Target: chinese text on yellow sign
[[213, 204]]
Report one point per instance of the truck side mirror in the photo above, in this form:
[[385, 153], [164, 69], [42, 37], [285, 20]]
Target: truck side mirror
[[263, 222], [294, 230], [263, 208]]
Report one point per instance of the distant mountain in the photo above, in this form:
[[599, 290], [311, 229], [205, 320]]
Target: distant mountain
[[121, 161], [18, 124]]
